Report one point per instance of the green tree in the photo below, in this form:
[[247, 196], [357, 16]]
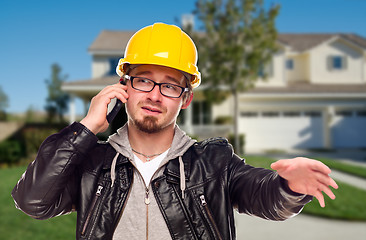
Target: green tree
[[57, 100], [238, 42], [4, 103]]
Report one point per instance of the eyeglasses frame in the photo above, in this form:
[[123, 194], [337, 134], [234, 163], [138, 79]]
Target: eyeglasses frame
[[131, 78]]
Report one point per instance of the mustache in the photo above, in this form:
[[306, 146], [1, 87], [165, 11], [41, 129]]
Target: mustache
[[152, 104]]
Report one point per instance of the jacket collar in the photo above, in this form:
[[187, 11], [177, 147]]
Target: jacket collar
[[172, 169]]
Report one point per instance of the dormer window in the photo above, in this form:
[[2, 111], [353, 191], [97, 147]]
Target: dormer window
[[289, 64], [337, 62], [113, 62]]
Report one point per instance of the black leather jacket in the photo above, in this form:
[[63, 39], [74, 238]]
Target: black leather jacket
[[72, 173]]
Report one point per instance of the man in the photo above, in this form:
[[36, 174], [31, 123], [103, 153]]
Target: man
[[150, 180]]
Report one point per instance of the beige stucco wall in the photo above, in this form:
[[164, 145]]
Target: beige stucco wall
[[318, 63], [277, 78], [301, 71], [100, 66]]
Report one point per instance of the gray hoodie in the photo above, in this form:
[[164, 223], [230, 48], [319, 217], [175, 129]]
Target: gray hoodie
[[141, 217]]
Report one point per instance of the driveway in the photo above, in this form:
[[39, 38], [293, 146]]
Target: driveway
[[301, 227]]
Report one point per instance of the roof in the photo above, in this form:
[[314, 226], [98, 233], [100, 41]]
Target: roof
[[311, 88], [111, 41], [117, 40], [306, 41], [103, 81]]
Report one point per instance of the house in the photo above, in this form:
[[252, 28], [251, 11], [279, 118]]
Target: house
[[314, 97]]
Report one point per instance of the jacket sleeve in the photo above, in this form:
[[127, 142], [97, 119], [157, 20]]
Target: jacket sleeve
[[262, 192], [49, 185]]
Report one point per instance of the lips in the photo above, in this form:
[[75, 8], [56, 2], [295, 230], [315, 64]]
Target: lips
[[151, 109]]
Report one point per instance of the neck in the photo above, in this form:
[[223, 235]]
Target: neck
[[150, 143]]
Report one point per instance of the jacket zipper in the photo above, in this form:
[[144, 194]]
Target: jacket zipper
[[204, 204], [147, 199], [97, 195], [147, 202]]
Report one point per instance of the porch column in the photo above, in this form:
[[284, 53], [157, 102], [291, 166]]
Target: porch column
[[188, 120], [327, 126], [72, 107]]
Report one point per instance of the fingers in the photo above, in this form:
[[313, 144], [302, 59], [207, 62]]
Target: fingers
[[324, 181], [326, 190], [96, 119], [114, 91], [318, 195], [320, 167], [307, 176]]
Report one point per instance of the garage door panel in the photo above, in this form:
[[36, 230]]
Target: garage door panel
[[349, 132], [282, 132]]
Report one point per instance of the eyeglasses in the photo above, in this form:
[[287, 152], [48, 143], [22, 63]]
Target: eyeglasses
[[147, 85]]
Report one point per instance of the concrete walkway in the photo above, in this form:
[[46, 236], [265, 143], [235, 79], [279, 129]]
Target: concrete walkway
[[350, 179], [305, 227], [301, 227]]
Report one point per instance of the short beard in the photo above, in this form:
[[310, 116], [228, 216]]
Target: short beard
[[148, 125]]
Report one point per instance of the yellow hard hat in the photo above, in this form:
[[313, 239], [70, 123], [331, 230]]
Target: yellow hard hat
[[165, 45]]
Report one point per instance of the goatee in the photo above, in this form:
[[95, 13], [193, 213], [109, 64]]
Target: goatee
[[148, 125]]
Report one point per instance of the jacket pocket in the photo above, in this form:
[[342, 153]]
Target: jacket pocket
[[92, 209], [209, 217]]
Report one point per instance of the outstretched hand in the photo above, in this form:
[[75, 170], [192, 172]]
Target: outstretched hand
[[306, 176]]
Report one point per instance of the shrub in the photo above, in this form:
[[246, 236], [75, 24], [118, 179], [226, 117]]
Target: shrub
[[10, 152], [241, 143], [221, 120]]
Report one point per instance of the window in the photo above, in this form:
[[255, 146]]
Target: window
[[289, 64], [201, 113], [266, 70], [361, 113], [181, 117], [248, 114], [291, 114], [344, 113], [270, 114], [313, 114], [113, 62], [337, 62]]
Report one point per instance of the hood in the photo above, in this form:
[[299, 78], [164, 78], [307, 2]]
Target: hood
[[180, 144]]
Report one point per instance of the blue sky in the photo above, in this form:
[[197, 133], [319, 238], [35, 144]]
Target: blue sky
[[36, 34]]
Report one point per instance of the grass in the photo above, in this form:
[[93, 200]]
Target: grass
[[15, 225], [350, 202], [344, 167]]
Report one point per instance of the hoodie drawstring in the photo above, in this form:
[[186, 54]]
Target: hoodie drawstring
[[182, 176], [113, 168]]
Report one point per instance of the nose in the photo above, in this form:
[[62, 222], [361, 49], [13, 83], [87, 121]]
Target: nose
[[155, 94]]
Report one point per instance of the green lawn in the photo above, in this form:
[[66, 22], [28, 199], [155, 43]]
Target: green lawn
[[344, 167], [15, 225]]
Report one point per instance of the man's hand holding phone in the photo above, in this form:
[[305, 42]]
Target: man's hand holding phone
[[96, 119]]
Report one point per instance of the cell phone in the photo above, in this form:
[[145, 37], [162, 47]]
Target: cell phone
[[112, 114]]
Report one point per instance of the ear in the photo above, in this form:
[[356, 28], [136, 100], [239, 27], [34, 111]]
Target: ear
[[187, 101]]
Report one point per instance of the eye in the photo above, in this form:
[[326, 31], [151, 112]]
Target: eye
[[171, 87], [143, 80]]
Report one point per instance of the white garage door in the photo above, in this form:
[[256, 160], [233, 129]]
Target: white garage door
[[281, 130], [349, 129]]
